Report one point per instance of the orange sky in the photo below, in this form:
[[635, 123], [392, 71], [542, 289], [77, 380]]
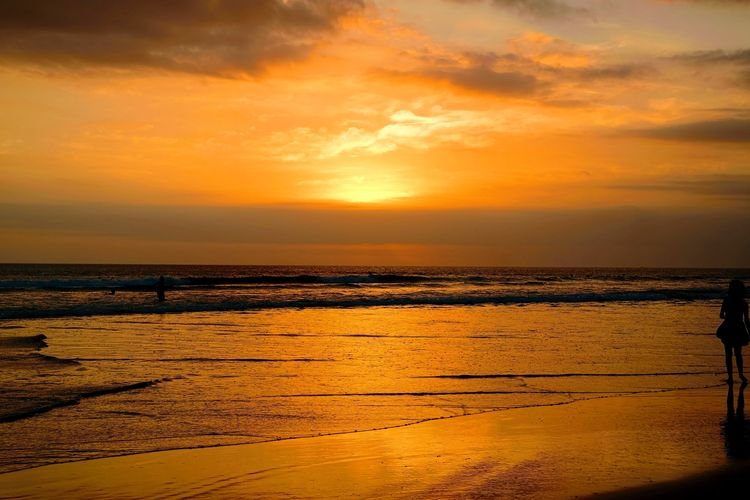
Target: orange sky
[[443, 112]]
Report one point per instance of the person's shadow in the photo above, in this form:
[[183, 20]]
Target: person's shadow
[[736, 438]]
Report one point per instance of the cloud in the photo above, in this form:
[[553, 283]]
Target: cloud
[[613, 72], [534, 65], [741, 3], [216, 37], [736, 60], [613, 237], [740, 57], [403, 128], [725, 130], [536, 8], [485, 79], [523, 74], [506, 74], [724, 186]]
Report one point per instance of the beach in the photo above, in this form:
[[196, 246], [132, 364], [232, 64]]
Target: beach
[[573, 450], [538, 384], [412, 249]]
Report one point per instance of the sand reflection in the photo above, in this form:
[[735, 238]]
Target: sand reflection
[[733, 427]]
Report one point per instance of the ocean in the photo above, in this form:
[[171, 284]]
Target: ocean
[[92, 365]]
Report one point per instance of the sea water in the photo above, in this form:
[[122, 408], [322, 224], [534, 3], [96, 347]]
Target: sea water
[[92, 365]]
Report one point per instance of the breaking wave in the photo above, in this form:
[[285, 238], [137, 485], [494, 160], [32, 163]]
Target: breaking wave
[[352, 301]]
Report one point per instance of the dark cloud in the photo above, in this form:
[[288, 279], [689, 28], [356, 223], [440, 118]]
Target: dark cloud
[[218, 37], [613, 72], [487, 72], [571, 103], [515, 75], [736, 112], [536, 8], [737, 61], [614, 237], [740, 57], [724, 186], [744, 3], [726, 130], [484, 79]]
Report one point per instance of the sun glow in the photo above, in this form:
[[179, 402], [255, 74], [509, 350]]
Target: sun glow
[[360, 189]]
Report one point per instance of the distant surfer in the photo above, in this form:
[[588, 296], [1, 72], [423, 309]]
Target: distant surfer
[[160, 289]]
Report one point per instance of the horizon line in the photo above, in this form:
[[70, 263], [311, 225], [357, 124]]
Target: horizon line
[[497, 266]]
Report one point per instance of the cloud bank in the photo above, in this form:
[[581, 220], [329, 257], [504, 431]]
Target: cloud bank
[[721, 186], [535, 8], [732, 130], [214, 37], [611, 237]]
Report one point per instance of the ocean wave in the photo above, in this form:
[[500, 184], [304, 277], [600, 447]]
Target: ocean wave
[[227, 281], [72, 400], [417, 299], [536, 392], [15, 349], [466, 376], [76, 284], [54, 360], [206, 360], [213, 281], [36, 342]]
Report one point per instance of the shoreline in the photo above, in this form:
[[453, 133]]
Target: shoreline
[[547, 452], [341, 433], [45, 409]]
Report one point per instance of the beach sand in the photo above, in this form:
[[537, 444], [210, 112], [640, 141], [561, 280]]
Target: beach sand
[[622, 446]]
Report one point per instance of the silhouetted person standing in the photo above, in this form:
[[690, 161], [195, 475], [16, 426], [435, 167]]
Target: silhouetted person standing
[[733, 330], [160, 289]]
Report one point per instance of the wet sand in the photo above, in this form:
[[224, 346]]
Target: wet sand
[[729, 482], [600, 446]]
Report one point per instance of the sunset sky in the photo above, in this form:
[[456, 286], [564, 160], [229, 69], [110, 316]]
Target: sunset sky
[[435, 132]]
